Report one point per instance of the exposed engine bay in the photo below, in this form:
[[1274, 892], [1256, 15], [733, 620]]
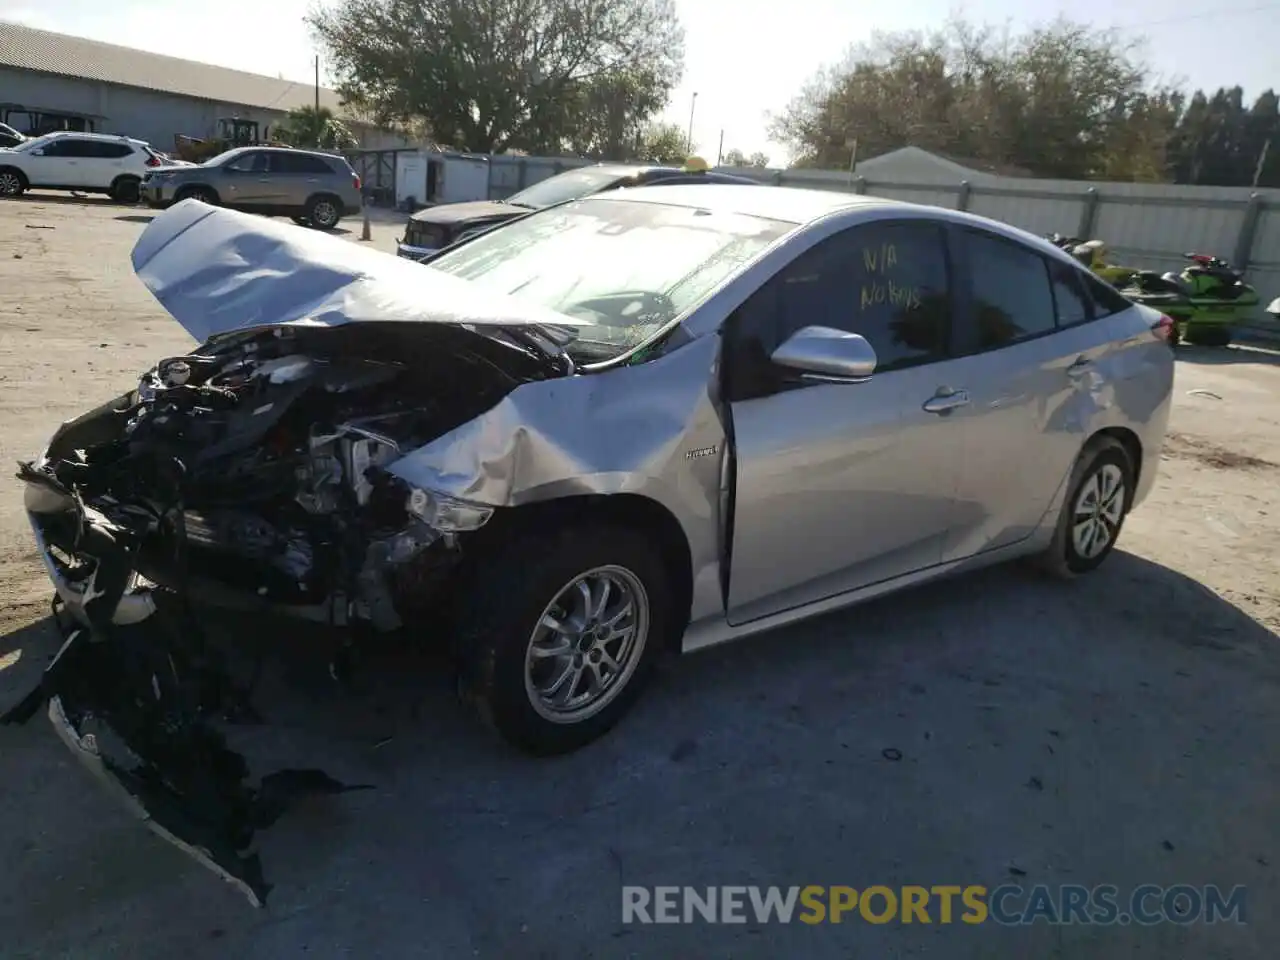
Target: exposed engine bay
[[251, 472]]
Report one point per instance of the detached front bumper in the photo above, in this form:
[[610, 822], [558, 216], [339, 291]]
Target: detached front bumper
[[135, 693]]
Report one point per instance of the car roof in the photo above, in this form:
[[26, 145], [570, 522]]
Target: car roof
[[292, 151], [111, 137], [802, 206], [787, 204]]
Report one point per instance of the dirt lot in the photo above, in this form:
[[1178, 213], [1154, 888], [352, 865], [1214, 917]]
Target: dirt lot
[[992, 729]]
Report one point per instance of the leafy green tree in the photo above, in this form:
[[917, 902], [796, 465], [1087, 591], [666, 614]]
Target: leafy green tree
[[307, 127], [494, 75], [664, 143], [736, 158]]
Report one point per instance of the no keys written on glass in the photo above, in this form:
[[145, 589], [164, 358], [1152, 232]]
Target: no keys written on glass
[[881, 286]]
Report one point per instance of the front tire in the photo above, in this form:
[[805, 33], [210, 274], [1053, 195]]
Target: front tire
[[1098, 500], [203, 194], [13, 183], [561, 632]]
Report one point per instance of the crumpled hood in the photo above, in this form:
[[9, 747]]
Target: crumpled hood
[[218, 270]]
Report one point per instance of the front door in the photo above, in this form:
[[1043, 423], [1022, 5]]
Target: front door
[[63, 163], [246, 182], [842, 485]]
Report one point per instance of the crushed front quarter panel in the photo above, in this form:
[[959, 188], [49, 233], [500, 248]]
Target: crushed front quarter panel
[[652, 429]]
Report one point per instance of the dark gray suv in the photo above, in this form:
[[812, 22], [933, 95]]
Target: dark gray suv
[[315, 189]]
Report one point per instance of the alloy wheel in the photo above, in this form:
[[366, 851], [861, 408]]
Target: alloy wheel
[[1098, 511], [587, 644]]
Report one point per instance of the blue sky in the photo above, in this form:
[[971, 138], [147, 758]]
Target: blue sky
[[743, 58]]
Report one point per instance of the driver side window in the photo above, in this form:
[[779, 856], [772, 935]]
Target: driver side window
[[249, 163], [887, 282]]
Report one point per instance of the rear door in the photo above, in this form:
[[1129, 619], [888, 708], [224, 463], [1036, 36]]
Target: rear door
[[297, 176], [106, 161], [1030, 345]]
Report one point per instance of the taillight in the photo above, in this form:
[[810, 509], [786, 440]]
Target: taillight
[[355, 178], [1163, 328]]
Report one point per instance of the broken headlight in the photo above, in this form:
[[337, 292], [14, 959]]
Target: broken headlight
[[447, 514]]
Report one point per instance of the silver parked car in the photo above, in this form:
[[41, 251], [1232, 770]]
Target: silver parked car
[[636, 423], [314, 189]]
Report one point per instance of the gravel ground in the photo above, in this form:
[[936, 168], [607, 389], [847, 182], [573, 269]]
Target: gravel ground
[[995, 728]]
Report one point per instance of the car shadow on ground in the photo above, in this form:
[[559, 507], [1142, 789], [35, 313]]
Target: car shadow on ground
[[997, 693], [136, 218], [90, 200], [403, 686]]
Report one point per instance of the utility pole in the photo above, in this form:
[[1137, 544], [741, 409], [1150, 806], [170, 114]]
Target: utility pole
[[720, 151], [1262, 162], [316, 133], [693, 105], [852, 144]]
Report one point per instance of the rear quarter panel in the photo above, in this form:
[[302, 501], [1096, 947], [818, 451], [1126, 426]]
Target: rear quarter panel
[[1133, 387]]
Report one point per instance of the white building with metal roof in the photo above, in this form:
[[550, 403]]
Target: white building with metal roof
[[114, 89]]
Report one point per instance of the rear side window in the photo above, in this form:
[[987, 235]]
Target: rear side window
[[1105, 299], [105, 150], [1069, 297], [1009, 284], [298, 163]]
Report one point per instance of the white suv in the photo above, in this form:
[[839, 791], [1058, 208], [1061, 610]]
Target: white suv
[[83, 162]]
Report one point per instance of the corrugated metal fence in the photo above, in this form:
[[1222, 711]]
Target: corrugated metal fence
[[1147, 225]]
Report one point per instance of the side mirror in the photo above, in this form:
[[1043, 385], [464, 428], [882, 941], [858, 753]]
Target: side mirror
[[38, 152], [827, 355]]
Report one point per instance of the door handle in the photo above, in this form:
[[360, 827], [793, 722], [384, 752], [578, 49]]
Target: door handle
[[944, 402], [1082, 366]]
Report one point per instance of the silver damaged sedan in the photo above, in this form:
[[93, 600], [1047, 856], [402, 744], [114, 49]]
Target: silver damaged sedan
[[637, 423]]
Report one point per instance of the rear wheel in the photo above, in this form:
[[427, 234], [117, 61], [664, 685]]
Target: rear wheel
[[555, 652], [13, 183], [323, 213], [125, 190], [1214, 335], [1098, 499]]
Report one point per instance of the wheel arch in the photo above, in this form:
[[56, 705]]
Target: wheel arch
[[19, 171], [185, 190], [1130, 442], [622, 509]]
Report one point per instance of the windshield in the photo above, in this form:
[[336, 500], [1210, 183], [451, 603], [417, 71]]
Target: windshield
[[6, 129], [624, 268], [32, 143], [222, 157], [565, 186]]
